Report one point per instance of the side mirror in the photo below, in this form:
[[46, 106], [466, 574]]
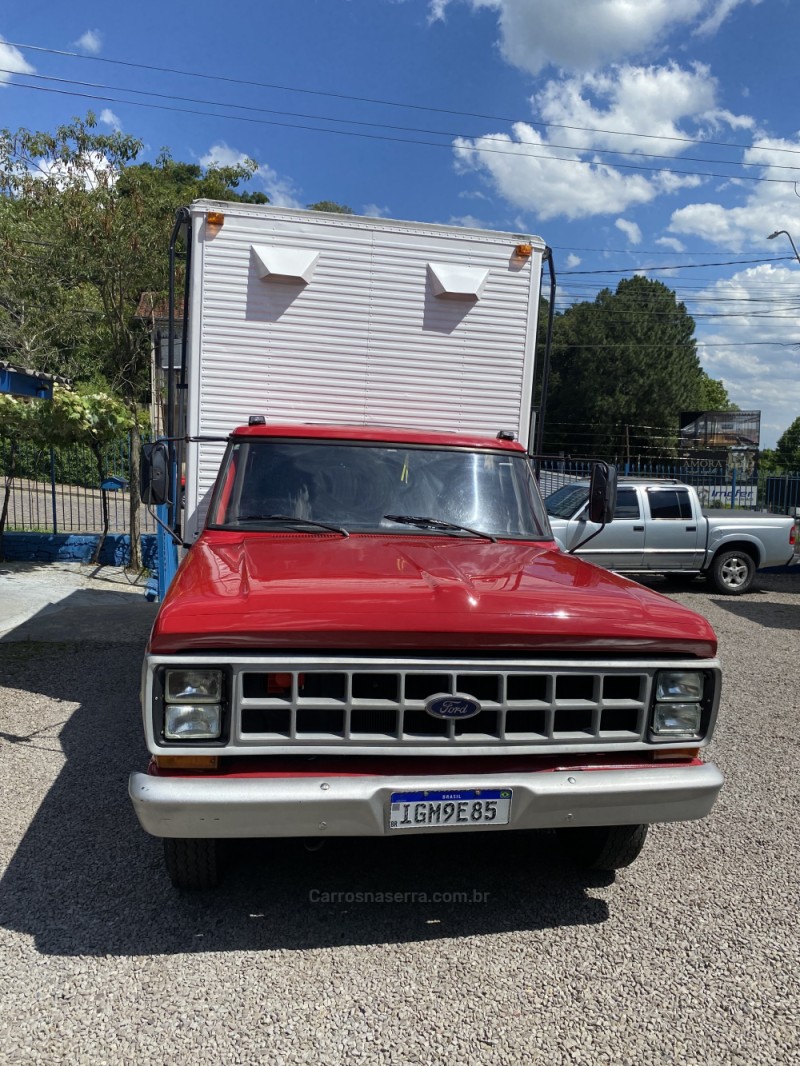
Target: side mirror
[[154, 475], [602, 493]]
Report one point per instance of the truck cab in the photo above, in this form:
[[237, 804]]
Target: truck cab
[[375, 634]]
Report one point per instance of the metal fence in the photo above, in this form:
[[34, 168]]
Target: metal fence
[[718, 483], [58, 490]]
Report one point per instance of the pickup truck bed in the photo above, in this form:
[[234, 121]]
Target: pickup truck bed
[[659, 526]]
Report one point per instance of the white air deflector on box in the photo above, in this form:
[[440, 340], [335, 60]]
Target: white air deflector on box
[[294, 266], [453, 282]]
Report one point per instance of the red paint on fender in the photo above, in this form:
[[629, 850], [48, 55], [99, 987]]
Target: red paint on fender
[[403, 592]]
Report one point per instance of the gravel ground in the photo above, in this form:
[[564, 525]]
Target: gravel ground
[[691, 955]]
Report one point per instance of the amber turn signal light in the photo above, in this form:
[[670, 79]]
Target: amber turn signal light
[[187, 762]]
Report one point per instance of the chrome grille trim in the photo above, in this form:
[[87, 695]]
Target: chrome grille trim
[[569, 705]]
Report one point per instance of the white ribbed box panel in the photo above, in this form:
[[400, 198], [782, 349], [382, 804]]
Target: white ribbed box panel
[[365, 340]]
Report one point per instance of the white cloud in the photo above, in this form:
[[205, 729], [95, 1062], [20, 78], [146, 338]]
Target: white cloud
[[563, 33], [468, 222], [281, 191], [91, 41], [766, 206], [376, 211], [718, 15], [573, 261], [529, 174], [437, 9], [11, 59], [93, 171], [629, 99], [672, 243], [108, 118], [561, 173], [758, 375], [630, 229]]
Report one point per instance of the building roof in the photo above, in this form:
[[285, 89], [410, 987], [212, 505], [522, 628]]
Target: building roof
[[22, 381]]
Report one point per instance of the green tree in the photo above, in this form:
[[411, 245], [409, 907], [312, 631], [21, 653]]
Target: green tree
[[95, 419], [20, 419], [332, 206], [787, 451], [79, 212], [714, 395], [624, 367]]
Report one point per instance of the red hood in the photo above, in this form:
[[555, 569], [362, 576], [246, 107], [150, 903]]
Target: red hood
[[411, 593]]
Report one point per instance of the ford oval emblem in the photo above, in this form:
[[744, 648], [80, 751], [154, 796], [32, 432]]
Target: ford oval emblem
[[452, 706]]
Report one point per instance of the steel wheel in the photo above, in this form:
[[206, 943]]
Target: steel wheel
[[732, 572]]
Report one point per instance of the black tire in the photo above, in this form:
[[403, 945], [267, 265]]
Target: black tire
[[192, 864], [603, 847], [732, 572]]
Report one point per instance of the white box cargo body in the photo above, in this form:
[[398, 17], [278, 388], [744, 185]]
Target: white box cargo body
[[304, 316]]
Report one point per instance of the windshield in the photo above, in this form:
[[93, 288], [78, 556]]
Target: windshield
[[567, 501], [297, 484]]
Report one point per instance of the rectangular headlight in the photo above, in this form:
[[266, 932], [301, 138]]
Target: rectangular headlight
[[192, 721], [679, 685], [193, 686], [676, 719]]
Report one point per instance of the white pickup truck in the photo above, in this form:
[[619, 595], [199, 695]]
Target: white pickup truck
[[659, 526]]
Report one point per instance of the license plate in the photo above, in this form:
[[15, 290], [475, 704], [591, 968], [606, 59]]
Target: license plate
[[459, 808]]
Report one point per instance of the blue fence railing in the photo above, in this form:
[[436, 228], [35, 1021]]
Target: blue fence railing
[[58, 490], [717, 484]]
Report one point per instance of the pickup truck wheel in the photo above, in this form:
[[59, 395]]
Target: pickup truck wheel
[[192, 864], [732, 572], [603, 847]]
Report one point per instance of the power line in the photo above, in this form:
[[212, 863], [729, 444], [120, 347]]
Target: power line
[[355, 122], [396, 140], [677, 266], [374, 125], [389, 103]]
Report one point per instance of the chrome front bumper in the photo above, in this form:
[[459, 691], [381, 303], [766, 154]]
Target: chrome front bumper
[[322, 806]]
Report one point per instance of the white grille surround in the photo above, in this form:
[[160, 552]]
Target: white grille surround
[[350, 705]]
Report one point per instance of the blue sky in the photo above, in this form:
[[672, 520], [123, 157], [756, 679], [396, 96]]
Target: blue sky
[[651, 135]]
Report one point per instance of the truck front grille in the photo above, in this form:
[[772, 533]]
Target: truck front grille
[[524, 705]]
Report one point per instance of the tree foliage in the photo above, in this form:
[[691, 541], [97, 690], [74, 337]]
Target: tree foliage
[[84, 231], [624, 367], [94, 419], [787, 452], [331, 206], [714, 395]]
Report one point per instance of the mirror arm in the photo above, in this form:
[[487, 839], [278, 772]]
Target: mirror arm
[[167, 529], [580, 544]]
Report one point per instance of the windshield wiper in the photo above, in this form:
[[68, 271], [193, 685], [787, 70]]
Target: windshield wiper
[[293, 520], [437, 523]]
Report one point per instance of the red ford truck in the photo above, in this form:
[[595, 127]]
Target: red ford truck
[[372, 631]]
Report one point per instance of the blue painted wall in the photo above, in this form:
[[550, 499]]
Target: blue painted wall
[[76, 547]]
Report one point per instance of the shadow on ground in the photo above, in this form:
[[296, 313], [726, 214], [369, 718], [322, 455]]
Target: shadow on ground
[[86, 880]]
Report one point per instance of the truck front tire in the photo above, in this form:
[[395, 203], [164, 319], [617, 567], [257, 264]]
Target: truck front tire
[[732, 572], [603, 847], [192, 864]]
